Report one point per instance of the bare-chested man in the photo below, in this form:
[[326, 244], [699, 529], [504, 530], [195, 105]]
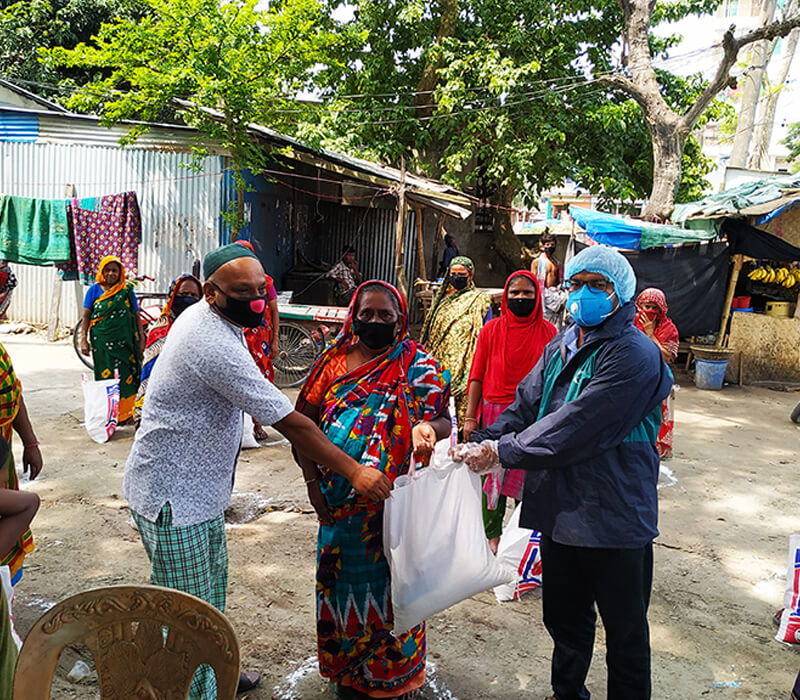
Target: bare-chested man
[[547, 270]]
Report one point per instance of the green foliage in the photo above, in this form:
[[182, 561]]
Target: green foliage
[[792, 142], [223, 63], [511, 105], [28, 25]]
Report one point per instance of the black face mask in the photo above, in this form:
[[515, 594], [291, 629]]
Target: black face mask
[[459, 281], [521, 306], [242, 310], [182, 302], [549, 249], [374, 335]]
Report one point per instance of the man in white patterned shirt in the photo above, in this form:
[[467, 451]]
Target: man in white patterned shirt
[[179, 475]]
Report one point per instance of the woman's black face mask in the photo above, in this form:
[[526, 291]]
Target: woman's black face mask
[[521, 306], [459, 281], [373, 334], [181, 302]]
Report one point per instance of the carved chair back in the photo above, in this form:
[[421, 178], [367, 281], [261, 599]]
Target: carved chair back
[[147, 642]]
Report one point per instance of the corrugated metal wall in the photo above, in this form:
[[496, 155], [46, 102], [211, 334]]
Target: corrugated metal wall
[[371, 232], [180, 209], [18, 127]]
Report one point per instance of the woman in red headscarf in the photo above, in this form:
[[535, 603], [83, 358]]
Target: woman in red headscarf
[[262, 342], [651, 319], [507, 349]]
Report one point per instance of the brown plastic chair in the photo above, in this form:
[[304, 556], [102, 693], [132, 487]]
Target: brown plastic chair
[[123, 627]]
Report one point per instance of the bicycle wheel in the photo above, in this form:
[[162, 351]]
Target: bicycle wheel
[[298, 352], [76, 343]]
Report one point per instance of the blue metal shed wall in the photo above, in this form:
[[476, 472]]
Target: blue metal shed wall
[[179, 206], [18, 127]]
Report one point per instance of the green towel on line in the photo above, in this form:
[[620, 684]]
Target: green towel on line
[[33, 231]]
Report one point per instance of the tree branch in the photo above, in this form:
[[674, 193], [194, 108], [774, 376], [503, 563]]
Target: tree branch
[[731, 47], [628, 87]]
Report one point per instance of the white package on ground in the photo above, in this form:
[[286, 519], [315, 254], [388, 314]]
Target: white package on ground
[[519, 549], [434, 540], [100, 407]]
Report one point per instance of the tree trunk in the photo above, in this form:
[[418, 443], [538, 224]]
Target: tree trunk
[[760, 151], [668, 145], [448, 20], [506, 244], [750, 92]]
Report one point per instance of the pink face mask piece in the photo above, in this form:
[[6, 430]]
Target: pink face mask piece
[[258, 305]]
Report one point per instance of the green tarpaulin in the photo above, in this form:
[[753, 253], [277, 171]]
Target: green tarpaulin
[[733, 200]]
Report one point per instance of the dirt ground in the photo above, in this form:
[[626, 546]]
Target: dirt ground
[[728, 505]]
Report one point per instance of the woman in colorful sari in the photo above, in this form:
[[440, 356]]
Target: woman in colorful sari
[[184, 291], [451, 328], [508, 348], [378, 396], [111, 322], [14, 418], [651, 319]]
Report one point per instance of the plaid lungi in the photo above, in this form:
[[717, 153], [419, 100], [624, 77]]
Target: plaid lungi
[[193, 559]]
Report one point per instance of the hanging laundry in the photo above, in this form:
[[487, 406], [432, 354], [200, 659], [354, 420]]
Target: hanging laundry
[[101, 226], [33, 231]]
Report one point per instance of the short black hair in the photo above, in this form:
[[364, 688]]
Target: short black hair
[[348, 249], [547, 237], [377, 287]]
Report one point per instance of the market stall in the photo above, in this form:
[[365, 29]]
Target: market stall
[[761, 320]]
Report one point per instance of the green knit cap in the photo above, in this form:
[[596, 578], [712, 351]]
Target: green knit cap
[[224, 254]]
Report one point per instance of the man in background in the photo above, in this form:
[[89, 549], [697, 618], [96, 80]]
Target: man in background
[[548, 271], [346, 275]]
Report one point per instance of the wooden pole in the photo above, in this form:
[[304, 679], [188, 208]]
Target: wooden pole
[[738, 261], [399, 232], [423, 275], [55, 295]]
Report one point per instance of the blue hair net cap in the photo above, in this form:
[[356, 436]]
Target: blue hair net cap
[[602, 260]]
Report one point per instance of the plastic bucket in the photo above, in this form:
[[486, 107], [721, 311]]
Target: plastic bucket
[[710, 374]]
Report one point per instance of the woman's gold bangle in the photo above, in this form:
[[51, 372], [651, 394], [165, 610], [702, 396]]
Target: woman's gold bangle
[[474, 420]]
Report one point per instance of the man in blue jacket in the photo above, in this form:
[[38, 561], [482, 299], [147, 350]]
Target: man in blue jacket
[[584, 426]]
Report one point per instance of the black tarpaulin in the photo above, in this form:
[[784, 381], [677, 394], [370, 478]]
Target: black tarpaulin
[[755, 243], [694, 279]]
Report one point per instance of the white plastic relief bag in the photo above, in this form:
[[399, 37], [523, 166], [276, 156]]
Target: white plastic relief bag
[[434, 541], [520, 549], [101, 407]]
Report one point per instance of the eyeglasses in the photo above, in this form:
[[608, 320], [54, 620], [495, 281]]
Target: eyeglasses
[[600, 285]]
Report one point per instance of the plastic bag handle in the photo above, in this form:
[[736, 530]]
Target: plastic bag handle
[[412, 466], [453, 422]]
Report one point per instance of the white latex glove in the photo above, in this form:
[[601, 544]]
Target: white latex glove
[[480, 457]]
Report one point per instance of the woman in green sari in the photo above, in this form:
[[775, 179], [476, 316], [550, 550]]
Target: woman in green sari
[[111, 322], [451, 328]]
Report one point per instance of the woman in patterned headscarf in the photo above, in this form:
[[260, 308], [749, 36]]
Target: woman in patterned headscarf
[[111, 322], [651, 319], [379, 396], [451, 328], [184, 291]]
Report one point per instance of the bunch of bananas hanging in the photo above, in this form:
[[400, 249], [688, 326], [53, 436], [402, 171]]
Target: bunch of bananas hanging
[[783, 276]]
